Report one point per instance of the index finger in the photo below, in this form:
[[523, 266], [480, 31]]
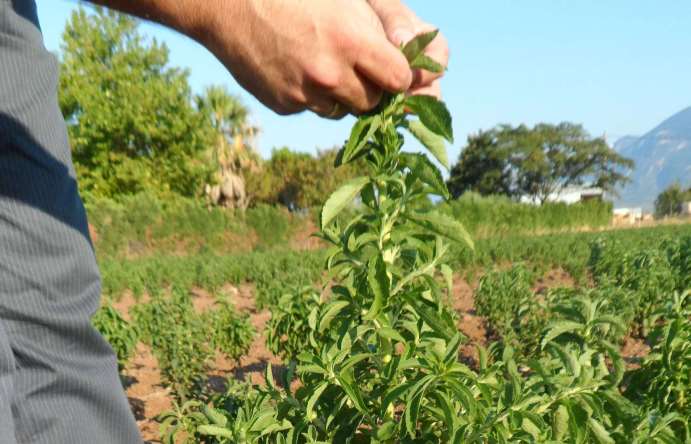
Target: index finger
[[383, 64]]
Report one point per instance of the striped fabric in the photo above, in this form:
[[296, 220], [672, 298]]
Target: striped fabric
[[58, 377]]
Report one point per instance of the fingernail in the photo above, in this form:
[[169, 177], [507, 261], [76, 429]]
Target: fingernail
[[402, 36]]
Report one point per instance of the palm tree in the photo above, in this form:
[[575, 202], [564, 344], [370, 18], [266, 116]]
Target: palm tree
[[233, 151]]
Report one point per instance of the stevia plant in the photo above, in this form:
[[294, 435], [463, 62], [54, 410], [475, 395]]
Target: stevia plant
[[231, 332], [120, 334], [386, 339]]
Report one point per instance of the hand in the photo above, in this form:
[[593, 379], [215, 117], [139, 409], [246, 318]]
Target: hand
[[401, 25], [332, 57]]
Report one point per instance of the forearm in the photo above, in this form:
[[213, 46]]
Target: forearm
[[190, 17]]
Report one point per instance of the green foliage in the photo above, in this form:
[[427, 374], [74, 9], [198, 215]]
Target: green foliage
[[272, 225], [646, 273], [179, 339], [120, 334], [663, 380], [481, 168], [669, 202], [536, 162], [297, 180], [131, 122], [143, 225], [501, 216], [288, 331], [231, 332], [506, 300], [382, 366]]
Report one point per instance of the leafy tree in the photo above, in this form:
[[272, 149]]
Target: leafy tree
[[232, 154], [482, 167], [132, 123], [668, 203], [298, 180], [537, 162]]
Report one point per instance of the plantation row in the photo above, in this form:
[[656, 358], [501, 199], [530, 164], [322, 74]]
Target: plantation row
[[275, 272], [553, 357]]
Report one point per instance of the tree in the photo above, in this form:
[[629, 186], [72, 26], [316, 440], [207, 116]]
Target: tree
[[668, 203], [232, 154], [482, 167], [131, 119], [298, 180], [537, 162]]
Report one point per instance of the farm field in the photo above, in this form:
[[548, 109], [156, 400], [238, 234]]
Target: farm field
[[398, 327], [163, 311]]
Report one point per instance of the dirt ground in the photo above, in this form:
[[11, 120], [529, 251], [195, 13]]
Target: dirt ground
[[149, 398]]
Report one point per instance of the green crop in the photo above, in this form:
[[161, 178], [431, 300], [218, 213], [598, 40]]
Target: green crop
[[376, 359], [664, 379], [506, 300], [120, 334], [231, 332], [289, 332], [179, 338]]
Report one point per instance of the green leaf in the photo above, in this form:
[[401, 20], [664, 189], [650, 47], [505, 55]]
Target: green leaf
[[560, 423], [362, 131], [416, 47], [215, 416], [353, 393], [390, 333], [379, 284], [601, 434], [386, 431], [447, 272], [559, 329], [341, 198], [443, 225], [421, 168], [314, 398], [432, 141], [433, 114], [332, 310], [211, 430], [427, 63]]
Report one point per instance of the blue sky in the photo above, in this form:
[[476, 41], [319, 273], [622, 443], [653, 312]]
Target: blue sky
[[618, 66]]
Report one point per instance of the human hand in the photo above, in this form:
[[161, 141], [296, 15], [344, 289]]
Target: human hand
[[402, 25], [332, 57]]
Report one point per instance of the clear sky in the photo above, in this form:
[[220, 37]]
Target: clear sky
[[617, 66]]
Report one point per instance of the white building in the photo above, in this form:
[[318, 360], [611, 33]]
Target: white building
[[686, 209], [627, 215], [570, 195]]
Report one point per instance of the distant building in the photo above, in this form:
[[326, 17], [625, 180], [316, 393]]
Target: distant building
[[686, 209], [570, 195], [623, 216]]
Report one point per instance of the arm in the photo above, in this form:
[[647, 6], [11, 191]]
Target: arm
[[331, 56]]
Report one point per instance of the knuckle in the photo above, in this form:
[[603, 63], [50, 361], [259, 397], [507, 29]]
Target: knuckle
[[325, 76]]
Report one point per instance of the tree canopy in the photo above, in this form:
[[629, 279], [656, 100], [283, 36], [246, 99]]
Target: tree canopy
[[298, 180], [131, 118], [669, 202], [536, 162]]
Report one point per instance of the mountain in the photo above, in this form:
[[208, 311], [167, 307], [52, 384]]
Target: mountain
[[662, 157]]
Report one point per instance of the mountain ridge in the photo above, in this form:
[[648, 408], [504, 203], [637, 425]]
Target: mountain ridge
[[662, 156]]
